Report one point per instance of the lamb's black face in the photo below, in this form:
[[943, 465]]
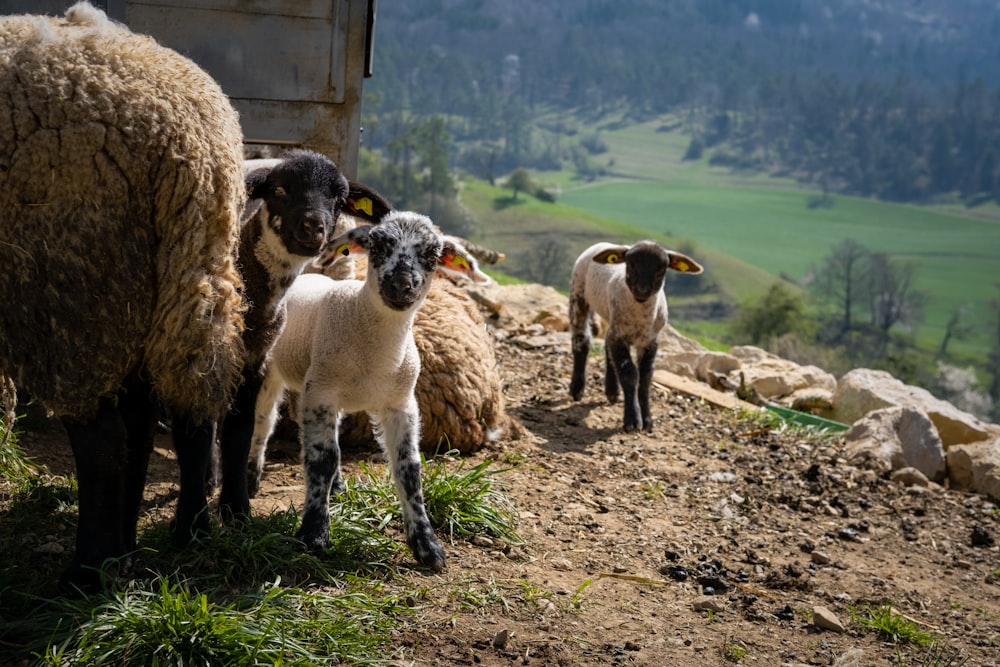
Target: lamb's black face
[[304, 195], [646, 266], [404, 253]]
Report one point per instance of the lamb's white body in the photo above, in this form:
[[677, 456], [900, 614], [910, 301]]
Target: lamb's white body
[[347, 347], [603, 286]]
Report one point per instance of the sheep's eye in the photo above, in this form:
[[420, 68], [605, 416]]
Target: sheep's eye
[[279, 192]]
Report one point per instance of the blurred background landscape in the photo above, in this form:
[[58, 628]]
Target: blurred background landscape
[[835, 166]]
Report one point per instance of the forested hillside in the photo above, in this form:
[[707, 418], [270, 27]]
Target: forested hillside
[[896, 99]]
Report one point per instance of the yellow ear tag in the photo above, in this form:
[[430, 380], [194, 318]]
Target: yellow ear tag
[[364, 205], [250, 190], [343, 249], [613, 258], [682, 266]]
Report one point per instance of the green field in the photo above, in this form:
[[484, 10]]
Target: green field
[[767, 223]]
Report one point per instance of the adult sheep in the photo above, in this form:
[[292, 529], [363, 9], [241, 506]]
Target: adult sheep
[[624, 285], [120, 198]]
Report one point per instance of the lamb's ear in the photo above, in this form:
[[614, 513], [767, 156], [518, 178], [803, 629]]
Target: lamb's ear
[[363, 202], [611, 255], [348, 243], [254, 180], [455, 260], [683, 263]]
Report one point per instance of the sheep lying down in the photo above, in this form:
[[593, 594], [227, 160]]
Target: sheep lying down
[[348, 347]]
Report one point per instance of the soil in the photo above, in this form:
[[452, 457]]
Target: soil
[[625, 535]]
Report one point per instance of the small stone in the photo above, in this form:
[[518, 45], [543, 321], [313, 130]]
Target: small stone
[[909, 477], [709, 603], [981, 537], [482, 541], [820, 558], [50, 548], [824, 619], [562, 564], [500, 640]]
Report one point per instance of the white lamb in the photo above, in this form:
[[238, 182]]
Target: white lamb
[[624, 285], [348, 347]]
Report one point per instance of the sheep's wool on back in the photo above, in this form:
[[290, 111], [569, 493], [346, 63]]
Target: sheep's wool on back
[[120, 195]]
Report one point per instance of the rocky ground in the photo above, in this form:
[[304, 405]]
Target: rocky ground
[[713, 540]]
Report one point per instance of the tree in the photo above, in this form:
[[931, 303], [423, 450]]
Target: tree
[[432, 146], [955, 328], [519, 181], [779, 312], [892, 298], [840, 281]]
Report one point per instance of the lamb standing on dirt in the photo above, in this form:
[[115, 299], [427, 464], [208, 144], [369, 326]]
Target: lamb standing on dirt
[[624, 285], [120, 199], [294, 203], [348, 347]]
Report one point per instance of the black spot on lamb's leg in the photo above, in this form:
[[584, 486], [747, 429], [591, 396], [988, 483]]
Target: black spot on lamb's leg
[[193, 444], [579, 319], [141, 412], [401, 434], [234, 445], [647, 359], [321, 460], [620, 357], [100, 449]]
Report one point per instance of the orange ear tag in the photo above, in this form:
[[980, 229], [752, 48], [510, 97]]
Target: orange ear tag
[[456, 262]]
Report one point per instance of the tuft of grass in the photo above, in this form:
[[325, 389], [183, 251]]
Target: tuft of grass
[[469, 502], [733, 651], [165, 622], [891, 625], [939, 655], [14, 463]]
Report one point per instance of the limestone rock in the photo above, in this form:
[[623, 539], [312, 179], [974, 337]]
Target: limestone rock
[[773, 377], [896, 438], [825, 619], [863, 390], [976, 467]]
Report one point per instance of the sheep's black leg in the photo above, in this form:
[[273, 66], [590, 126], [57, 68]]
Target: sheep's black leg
[[401, 434], [620, 358], [99, 447], [580, 325], [193, 444], [141, 412], [321, 460], [234, 446], [610, 377], [647, 358]]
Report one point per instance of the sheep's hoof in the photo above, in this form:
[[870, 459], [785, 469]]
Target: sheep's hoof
[[253, 482], [429, 552], [313, 536], [631, 427]]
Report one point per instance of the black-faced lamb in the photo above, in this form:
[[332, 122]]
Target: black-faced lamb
[[120, 199], [348, 347], [624, 285], [294, 203]]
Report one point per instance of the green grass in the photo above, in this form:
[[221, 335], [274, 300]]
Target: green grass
[[892, 626], [244, 595]]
